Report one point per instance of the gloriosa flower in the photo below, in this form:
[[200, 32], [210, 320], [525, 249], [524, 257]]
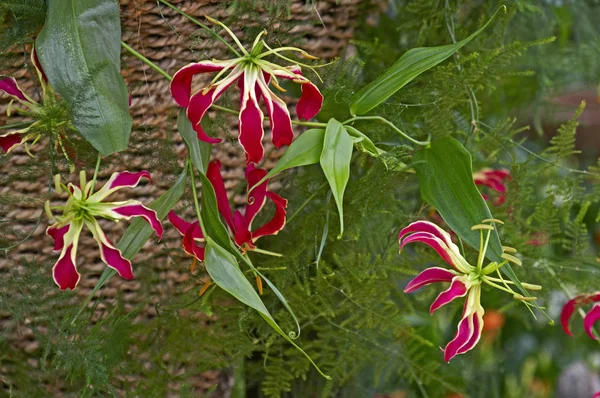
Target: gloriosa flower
[[590, 318], [238, 223], [253, 73], [49, 116], [465, 279], [493, 179], [82, 208]]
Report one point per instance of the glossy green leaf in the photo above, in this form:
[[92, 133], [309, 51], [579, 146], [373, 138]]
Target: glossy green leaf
[[304, 151], [199, 151], [335, 162], [80, 52], [225, 272], [139, 231], [410, 65], [445, 176]]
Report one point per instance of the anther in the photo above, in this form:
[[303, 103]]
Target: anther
[[511, 259], [493, 220], [205, 288], [259, 285], [508, 249], [194, 264], [531, 286], [478, 227], [57, 184], [523, 298], [48, 211], [307, 55]]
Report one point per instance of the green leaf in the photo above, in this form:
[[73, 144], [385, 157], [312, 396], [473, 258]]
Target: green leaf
[[80, 52], [304, 151], [199, 150], [139, 231], [225, 272], [410, 65], [446, 179], [363, 143], [335, 162]]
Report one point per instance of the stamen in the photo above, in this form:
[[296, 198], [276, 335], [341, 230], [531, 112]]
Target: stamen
[[264, 32], [57, 184], [523, 298], [292, 61], [508, 249], [300, 81], [531, 286], [234, 37], [511, 259], [482, 226], [204, 288], [82, 181], [493, 220], [259, 285], [275, 84]]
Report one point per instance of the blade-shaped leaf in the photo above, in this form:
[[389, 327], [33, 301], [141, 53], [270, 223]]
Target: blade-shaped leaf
[[410, 65], [80, 52], [445, 177], [304, 151], [335, 162], [225, 272], [363, 143], [139, 231], [199, 150]]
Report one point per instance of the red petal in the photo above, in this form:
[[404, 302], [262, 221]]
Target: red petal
[[477, 328], [250, 121], [149, 215], [9, 86], [426, 226], [277, 223], [457, 289], [180, 224], [64, 271], [590, 319], [214, 176], [242, 233], [432, 241], [257, 197], [567, 312], [38, 66], [279, 116], [198, 106], [117, 181], [58, 234], [181, 85], [462, 337], [112, 257], [428, 276], [9, 141], [310, 102], [189, 241]]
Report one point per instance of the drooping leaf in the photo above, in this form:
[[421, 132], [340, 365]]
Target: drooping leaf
[[225, 272], [335, 162], [410, 65], [139, 231], [304, 151], [445, 175], [80, 52], [363, 142], [199, 150]]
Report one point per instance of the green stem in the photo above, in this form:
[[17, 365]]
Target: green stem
[[306, 202], [15, 125], [309, 124], [203, 26], [146, 60], [95, 173], [266, 252], [396, 129]]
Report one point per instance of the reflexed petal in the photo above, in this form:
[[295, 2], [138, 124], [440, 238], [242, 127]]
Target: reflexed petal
[[214, 176], [242, 234], [257, 197], [109, 254], [279, 116], [567, 312], [251, 119], [426, 226], [477, 329], [457, 289], [58, 234], [9, 86], [10, 141], [179, 223], [189, 241], [590, 320], [462, 337], [181, 85], [64, 271], [429, 275], [277, 223], [431, 240], [136, 209], [38, 66], [201, 101], [310, 102], [117, 181]]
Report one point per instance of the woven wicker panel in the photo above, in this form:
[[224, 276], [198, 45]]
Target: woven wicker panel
[[325, 31]]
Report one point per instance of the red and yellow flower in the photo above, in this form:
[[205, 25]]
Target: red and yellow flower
[[83, 208], [590, 318], [493, 179], [253, 73]]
